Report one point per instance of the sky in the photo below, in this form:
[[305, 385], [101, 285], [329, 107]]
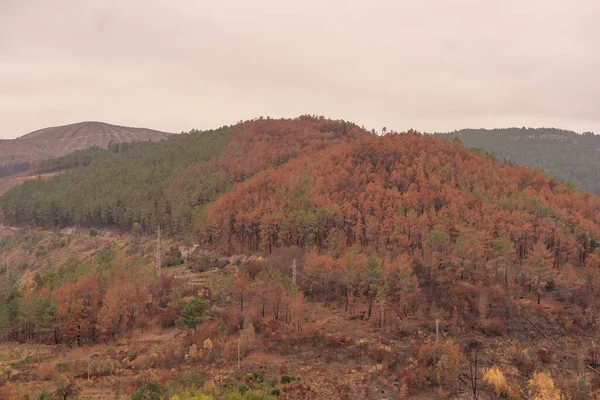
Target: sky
[[429, 65]]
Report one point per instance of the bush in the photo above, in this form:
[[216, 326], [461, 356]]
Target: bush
[[582, 390], [254, 268], [285, 379], [426, 354], [173, 257], [102, 367], [545, 356], [65, 386], [496, 379], [203, 264], [46, 372], [63, 367], [168, 317], [192, 379], [493, 327], [152, 391], [191, 316], [192, 394], [541, 386], [45, 395], [254, 378], [525, 363]]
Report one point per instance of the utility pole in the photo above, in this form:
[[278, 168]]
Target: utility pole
[[158, 263], [238, 346], [293, 267], [7, 268], [437, 329]]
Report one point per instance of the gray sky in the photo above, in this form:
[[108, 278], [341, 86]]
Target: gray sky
[[431, 65]]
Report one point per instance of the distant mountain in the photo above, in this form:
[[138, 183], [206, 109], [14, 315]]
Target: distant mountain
[[15, 155], [566, 155]]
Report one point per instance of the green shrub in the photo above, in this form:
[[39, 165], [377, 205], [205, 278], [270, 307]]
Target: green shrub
[[63, 367], [192, 379], [285, 379], [152, 391], [191, 316]]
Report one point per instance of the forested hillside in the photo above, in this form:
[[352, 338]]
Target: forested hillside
[[447, 270], [170, 181], [569, 156], [465, 224]]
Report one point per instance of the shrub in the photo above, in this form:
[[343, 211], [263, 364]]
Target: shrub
[[65, 386], [525, 363], [448, 367], [493, 327], [191, 316], [285, 379], [254, 378], [254, 268], [541, 387], [582, 390], [202, 264], [192, 394], [152, 391], [46, 372], [426, 354], [496, 379], [168, 317], [234, 321], [45, 395], [173, 257], [192, 379], [63, 367], [545, 356], [102, 367]]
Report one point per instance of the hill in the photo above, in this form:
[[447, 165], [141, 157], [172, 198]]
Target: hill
[[370, 266], [170, 181], [564, 154], [17, 154]]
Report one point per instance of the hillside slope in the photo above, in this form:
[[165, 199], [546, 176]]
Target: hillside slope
[[564, 154], [405, 253], [169, 181], [57, 141]]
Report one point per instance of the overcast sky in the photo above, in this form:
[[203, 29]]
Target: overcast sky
[[431, 65]]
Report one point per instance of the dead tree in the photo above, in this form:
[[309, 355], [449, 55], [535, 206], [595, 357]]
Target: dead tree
[[472, 352]]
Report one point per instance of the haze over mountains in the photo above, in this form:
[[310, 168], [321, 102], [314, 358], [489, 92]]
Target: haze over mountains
[[16, 154]]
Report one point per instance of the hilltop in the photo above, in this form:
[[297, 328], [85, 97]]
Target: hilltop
[[367, 266], [567, 155], [99, 134], [17, 154]]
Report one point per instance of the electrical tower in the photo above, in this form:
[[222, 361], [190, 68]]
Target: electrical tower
[[293, 267], [158, 261]]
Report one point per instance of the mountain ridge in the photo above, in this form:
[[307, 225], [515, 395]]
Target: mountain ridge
[[17, 154], [96, 128], [567, 155]]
